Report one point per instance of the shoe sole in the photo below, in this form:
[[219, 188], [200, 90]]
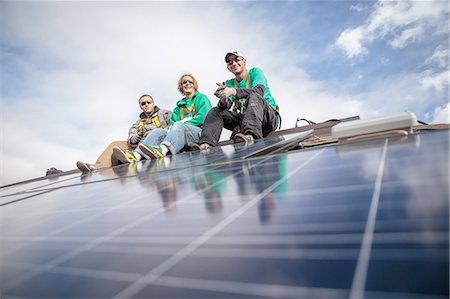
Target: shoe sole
[[147, 152], [239, 139], [83, 167], [120, 155], [195, 147]]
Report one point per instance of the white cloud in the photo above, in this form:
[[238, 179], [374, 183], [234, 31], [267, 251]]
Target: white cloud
[[394, 94], [439, 57], [358, 7], [300, 97], [441, 114], [406, 36], [351, 41], [438, 82], [405, 20], [27, 154]]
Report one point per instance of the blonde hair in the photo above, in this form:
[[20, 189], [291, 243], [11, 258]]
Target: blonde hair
[[180, 82], [145, 96]]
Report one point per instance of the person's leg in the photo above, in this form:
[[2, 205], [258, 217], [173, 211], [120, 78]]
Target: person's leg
[[258, 116], [215, 121], [106, 159], [180, 135], [270, 121], [155, 137]]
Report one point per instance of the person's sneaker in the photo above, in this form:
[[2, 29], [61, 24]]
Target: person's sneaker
[[200, 147], [204, 146], [124, 156], [239, 137], [153, 152], [85, 167], [52, 171], [195, 147]]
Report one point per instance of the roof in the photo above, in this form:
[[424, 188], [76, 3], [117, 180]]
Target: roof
[[299, 214]]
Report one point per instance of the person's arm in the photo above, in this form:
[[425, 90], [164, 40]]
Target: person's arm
[[202, 106], [166, 115], [133, 133], [175, 115], [258, 84]]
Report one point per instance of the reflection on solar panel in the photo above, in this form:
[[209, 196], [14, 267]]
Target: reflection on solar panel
[[362, 220]]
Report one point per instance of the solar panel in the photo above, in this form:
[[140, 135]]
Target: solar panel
[[358, 220]]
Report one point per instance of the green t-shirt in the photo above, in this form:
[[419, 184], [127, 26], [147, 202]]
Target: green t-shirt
[[255, 77]]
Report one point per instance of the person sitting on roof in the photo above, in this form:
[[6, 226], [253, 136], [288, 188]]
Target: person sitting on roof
[[150, 119], [187, 120], [254, 114]]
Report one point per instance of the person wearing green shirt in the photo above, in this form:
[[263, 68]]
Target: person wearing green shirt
[[254, 113], [185, 130]]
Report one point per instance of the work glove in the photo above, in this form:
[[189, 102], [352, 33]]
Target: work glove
[[223, 102], [220, 87], [227, 92], [135, 139]]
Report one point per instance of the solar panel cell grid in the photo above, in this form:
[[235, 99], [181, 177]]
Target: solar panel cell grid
[[367, 220]]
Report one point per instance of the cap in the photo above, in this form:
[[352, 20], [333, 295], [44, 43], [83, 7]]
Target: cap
[[234, 53]]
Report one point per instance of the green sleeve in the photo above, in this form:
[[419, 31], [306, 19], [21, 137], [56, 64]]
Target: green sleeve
[[175, 115], [257, 77], [202, 107]]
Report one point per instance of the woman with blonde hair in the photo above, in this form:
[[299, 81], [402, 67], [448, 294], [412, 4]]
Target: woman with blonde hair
[[185, 130]]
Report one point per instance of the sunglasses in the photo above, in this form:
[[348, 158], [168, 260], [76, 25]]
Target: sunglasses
[[187, 81], [146, 103], [237, 59]]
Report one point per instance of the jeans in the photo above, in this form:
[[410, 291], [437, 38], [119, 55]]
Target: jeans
[[175, 138]]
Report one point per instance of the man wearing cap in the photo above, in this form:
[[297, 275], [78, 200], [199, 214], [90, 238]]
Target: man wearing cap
[[254, 113]]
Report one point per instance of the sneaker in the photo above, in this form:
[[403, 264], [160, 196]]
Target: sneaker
[[153, 152], [52, 171], [85, 167], [195, 147], [239, 137], [201, 147], [204, 146], [124, 156]]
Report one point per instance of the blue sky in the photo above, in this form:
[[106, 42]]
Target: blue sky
[[72, 72]]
